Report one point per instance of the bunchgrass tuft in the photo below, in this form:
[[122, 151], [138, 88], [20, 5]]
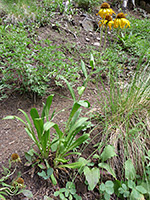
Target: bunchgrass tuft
[[126, 108]]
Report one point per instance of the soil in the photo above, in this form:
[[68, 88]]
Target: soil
[[14, 139]]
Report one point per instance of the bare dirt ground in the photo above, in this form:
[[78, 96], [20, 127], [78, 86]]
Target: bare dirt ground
[[14, 139]]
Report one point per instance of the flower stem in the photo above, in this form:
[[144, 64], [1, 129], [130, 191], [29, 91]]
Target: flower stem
[[105, 39], [101, 35]]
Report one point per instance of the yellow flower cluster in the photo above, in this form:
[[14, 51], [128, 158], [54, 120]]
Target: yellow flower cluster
[[106, 12]]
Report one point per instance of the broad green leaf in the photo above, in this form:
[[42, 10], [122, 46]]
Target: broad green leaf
[[9, 117], [30, 134], [130, 172], [75, 144], [38, 122], [131, 184], [107, 153], [2, 197], [70, 88], [135, 195], [61, 160], [109, 187], [27, 118], [75, 117], [106, 196], [78, 124], [84, 69], [75, 107], [48, 125], [92, 176], [141, 189], [58, 131], [44, 175], [45, 138], [108, 168], [92, 63], [15, 117], [47, 198], [81, 90], [27, 193], [84, 103], [53, 179], [46, 107], [41, 166], [75, 165]]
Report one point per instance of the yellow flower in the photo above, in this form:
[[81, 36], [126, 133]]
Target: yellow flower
[[107, 22], [105, 10], [15, 158], [121, 21]]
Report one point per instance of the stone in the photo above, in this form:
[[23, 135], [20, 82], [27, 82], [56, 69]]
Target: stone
[[87, 25], [96, 44], [87, 39]]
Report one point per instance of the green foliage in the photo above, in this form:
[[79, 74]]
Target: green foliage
[[65, 142], [107, 189], [93, 175], [130, 172], [29, 69], [9, 187], [69, 192]]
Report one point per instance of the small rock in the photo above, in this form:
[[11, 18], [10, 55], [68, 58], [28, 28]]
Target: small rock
[[87, 39], [96, 44], [91, 33], [87, 25]]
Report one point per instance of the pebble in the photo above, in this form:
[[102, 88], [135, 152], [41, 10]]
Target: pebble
[[96, 44], [87, 39]]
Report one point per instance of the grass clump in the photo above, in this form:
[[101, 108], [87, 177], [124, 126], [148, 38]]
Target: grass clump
[[126, 108]]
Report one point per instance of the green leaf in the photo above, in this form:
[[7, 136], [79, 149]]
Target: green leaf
[[84, 69], [130, 172], [135, 195], [38, 122], [109, 187], [141, 189], [44, 175], [106, 196], [2, 197], [48, 125], [9, 117], [84, 103], [79, 141], [41, 166], [77, 124], [92, 176], [61, 160], [46, 107], [108, 168], [75, 165], [131, 184], [81, 90], [27, 193], [92, 63], [27, 118], [31, 135], [47, 198], [107, 153], [70, 88]]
